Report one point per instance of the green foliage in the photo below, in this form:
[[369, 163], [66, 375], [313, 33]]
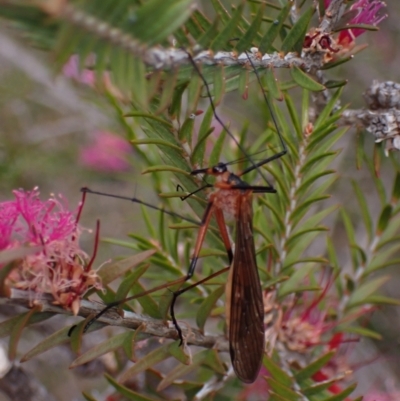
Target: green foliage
[[161, 114]]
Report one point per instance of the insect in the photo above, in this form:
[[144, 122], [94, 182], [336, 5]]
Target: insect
[[245, 309]]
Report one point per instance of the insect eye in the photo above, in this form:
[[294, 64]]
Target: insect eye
[[219, 168]]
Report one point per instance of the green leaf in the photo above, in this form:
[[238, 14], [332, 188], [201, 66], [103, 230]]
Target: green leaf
[[343, 395], [276, 372], [229, 31], [212, 361], [178, 352], [303, 207], [295, 37], [158, 142], [176, 103], [136, 71], [365, 214], [333, 84], [381, 300], [215, 155], [135, 113], [170, 14], [293, 283], [201, 20], [164, 168], [305, 111], [396, 189], [245, 41], [108, 273], [384, 242], [128, 282], [88, 397], [183, 370], [274, 29], [272, 84], [221, 11], [186, 131], [207, 305], [327, 110], [380, 188], [300, 233], [76, 334], [314, 367], [205, 130], [194, 27], [362, 331], [218, 84], [365, 290], [293, 116], [313, 161], [351, 235], [7, 326], [276, 397], [337, 62], [297, 250], [321, 261], [307, 183], [129, 394], [4, 273], [193, 94], [244, 78], [380, 262], [359, 26], [17, 329], [109, 345], [206, 39], [304, 80], [276, 213], [384, 219], [152, 358], [282, 390], [55, 339], [317, 388], [165, 302], [149, 305]]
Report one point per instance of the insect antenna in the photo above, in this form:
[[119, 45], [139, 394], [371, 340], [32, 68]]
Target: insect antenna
[[140, 202], [224, 126], [272, 114]]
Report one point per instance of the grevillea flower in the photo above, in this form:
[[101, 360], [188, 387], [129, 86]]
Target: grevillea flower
[[366, 12], [305, 325], [295, 327], [60, 268], [108, 152]]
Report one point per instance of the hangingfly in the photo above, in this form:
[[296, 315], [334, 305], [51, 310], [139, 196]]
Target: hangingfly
[[244, 300]]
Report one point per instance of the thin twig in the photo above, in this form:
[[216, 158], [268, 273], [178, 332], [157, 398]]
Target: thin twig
[[129, 320]]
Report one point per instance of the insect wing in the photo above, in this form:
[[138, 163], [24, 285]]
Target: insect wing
[[246, 318]]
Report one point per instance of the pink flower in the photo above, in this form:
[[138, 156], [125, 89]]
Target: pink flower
[[366, 13], [108, 152], [306, 324], [71, 70], [61, 268]]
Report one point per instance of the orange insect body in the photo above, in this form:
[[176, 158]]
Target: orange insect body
[[244, 300]]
